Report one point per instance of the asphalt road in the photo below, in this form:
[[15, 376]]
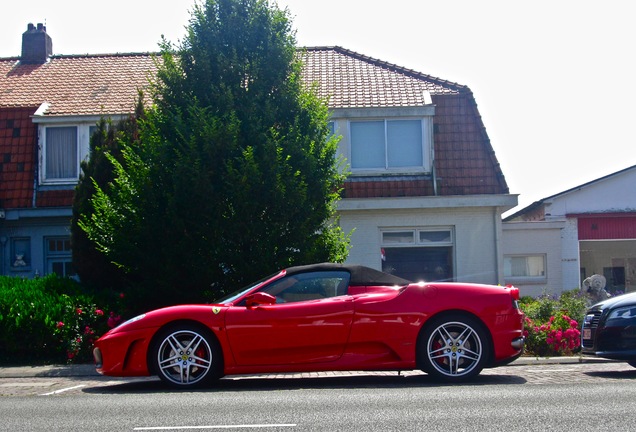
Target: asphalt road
[[533, 397]]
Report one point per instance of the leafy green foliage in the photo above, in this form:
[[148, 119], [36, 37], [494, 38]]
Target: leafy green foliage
[[552, 325], [233, 174], [47, 320], [94, 268]]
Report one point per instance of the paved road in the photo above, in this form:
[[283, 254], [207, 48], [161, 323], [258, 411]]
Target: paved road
[[67, 381], [523, 397]]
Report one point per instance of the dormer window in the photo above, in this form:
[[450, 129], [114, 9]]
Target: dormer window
[[391, 141], [61, 153], [63, 146], [387, 144]]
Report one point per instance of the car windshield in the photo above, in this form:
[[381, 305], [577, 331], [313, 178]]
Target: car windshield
[[236, 294]]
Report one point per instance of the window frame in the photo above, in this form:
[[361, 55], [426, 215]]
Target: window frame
[[426, 128], [417, 242], [298, 291], [83, 126], [525, 278], [64, 257]]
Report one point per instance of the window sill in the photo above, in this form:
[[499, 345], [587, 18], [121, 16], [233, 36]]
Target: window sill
[[526, 280], [20, 269]]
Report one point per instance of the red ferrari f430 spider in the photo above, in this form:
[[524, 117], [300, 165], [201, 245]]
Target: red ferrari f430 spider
[[322, 317]]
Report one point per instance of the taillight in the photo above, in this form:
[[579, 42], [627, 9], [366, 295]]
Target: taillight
[[514, 293]]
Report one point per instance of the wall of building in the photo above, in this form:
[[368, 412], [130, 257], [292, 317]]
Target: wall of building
[[29, 237], [615, 193], [536, 238], [476, 236]]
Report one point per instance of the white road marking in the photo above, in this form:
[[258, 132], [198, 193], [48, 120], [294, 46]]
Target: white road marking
[[254, 426], [63, 390]]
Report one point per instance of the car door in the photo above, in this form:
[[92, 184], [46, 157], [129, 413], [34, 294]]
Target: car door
[[306, 326]]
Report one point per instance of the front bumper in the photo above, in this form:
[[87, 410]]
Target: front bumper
[[123, 353]]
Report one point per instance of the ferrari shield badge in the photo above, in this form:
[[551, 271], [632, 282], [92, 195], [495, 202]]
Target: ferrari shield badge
[[216, 310]]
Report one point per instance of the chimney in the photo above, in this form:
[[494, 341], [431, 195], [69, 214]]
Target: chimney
[[37, 46]]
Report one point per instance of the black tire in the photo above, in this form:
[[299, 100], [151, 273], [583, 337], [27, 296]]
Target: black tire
[[186, 356], [453, 347]]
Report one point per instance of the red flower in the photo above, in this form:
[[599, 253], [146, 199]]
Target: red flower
[[79, 311], [99, 312], [60, 324], [114, 320]]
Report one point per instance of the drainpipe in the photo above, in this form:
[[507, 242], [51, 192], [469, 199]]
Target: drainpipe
[[498, 228]]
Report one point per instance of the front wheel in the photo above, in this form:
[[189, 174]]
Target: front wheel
[[453, 348], [186, 356]]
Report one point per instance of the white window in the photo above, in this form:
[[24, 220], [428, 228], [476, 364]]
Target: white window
[[59, 258], [524, 267], [424, 254], [389, 145], [63, 147], [61, 153]]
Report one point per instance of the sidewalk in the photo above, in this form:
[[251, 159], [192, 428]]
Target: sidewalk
[[88, 370]]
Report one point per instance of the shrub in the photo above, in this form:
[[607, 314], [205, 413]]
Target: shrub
[[552, 324], [47, 320]]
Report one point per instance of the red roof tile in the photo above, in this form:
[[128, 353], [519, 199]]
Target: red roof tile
[[352, 80], [107, 84], [77, 85], [18, 136]]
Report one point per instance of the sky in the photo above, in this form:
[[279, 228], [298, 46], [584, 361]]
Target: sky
[[554, 80]]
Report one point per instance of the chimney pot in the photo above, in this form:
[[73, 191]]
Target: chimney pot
[[37, 45]]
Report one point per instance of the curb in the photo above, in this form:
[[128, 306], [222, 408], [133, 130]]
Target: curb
[[81, 370], [88, 370]]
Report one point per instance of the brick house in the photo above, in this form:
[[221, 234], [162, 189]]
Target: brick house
[[425, 195]]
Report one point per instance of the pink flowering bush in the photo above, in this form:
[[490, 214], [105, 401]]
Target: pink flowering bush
[[552, 325], [558, 336], [80, 326]]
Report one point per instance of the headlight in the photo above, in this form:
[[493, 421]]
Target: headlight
[[132, 320], [628, 312]]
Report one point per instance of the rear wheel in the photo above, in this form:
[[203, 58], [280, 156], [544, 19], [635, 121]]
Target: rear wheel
[[453, 347], [186, 356]]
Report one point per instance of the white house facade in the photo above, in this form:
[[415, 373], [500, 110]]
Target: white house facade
[[556, 243]]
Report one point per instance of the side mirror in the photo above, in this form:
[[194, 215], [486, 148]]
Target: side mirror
[[260, 298]]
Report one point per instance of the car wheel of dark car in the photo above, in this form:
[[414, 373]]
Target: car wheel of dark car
[[186, 355], [453, 347]]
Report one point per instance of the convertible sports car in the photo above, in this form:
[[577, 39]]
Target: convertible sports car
[[322, 317]]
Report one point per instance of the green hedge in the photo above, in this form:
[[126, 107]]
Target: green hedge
[[48, 320]]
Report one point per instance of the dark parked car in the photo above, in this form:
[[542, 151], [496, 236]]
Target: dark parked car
[[609, 329]]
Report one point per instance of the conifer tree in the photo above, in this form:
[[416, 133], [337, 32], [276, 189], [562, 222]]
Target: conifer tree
[[234, 174]]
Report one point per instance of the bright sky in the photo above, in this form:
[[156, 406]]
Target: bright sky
[[555, 80]]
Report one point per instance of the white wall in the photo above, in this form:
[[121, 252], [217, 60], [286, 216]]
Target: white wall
[[476, 234], [526, 238], [615, 193]]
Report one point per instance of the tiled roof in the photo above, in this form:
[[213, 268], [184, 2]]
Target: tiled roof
[[465, 162], [76, 85], [352, 80], [107, 84], [18, 137]]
